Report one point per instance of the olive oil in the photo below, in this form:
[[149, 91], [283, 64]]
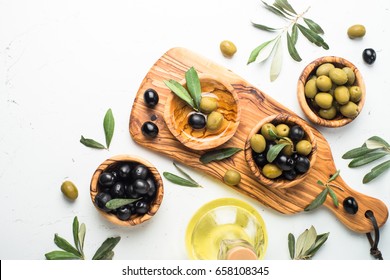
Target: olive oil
[[226, 228]]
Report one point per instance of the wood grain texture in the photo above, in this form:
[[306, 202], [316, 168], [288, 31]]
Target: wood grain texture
[[255, 105]]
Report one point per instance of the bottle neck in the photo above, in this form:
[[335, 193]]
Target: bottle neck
[[236, 249]]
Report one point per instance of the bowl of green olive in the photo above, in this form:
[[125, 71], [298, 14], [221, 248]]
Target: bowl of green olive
[[126, 190], [331, 91], [210, 125], [280, 150]]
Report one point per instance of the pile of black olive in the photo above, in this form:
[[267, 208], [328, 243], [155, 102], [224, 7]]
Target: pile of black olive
[[126, 180]]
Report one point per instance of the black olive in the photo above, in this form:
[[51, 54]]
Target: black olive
[[350, 205], [124, 170], [197, 121], [260, 159], [123, 213], [284, 162], [149, 129], [141, 207], [302, 164], [140, 172], [369, 56], [101, 199], [296, 133], [290, 174], [141, 186], [152, 187], [151, 98], [117, 190], [130, 192], [106, 179]]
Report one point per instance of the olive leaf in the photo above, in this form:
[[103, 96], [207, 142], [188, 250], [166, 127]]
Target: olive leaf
[[357, 152], [180, 91], [75, 230], [65, 245], [264, 27], [119, 202], [61, 255], [274, 151], [291, 245], [313, 26], [274, 10], [189, 182], [333, 196], [105, 250], [276, 64], [291, 48], [376, 171], [362, 160], [81, 236], [108, 125], [193, 85], [318, 201], [308, 243], [254, 56], [217, 155], [91, 143], [313, 37]]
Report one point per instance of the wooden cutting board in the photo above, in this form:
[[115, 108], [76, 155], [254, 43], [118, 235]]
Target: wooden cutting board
[[255, 105]]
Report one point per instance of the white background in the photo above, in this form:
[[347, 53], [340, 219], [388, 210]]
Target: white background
[[64, 63]]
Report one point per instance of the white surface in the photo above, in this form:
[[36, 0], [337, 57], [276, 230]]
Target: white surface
[[64, 63]]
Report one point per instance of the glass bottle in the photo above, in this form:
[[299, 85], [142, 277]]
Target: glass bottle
[[226, 228]]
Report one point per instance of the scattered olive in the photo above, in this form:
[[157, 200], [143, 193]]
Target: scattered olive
[[369, 56], [197, 121], [232, 177], [151, 97], [227, 48], [350, 205], [214, 121], [356, 31], [150, 129], [69, 190]]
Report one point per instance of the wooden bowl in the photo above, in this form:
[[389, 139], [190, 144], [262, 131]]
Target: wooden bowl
[[305, 103], [280, 182], [176, 114], [135, 219]]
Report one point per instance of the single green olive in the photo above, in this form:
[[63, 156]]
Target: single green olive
[[265, 131], [310, 88], [350, 75], [303, 147], [271, 171], [324, 83], [228, 48], [349, 110], [214, 121], [341, 94], [69, 190], [356, 31], [328, 114], [324, 100], [338, 76], [355, 93], [282, 130], [289, 148], [208, 104], [258, 143], [232, 177], [324, 69]]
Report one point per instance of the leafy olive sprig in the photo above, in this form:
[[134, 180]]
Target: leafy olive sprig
[[70, 252], [186, 182], [108, 125], [193, 95], [284, 10], [308, 243], [320, 199], [373, 149]]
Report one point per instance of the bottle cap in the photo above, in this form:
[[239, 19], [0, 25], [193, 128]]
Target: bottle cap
[[241, 253]]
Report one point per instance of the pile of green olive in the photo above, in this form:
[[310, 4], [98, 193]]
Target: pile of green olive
[[291, 160], [331, 91]]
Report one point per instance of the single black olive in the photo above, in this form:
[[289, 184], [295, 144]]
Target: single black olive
[[139, 172], [149, 129], [197, 121], [141, 207], [117, 190], [290, 174], [260, 159], [369, 56], [106, 179], [141, 186], [101, 199], [302, 164], [350, 205], [151, 98], [152, 187], [124, 170], [284, 162], [123, 213], [131, 193], [296, 133]]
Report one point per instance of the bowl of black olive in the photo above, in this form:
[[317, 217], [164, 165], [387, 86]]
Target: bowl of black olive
[[209, 125], [280, 150], [126, 190]]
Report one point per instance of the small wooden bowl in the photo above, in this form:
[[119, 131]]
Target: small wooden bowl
[[135, 219], [290, 121], [176, 115], [309, 70]]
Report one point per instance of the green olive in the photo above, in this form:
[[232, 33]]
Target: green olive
[[214, 121], [265, 131], [288, 149], [232, 177], [356, 31], [324, 83], [69, 190], [341, 94], [324, 100], [328, 114], [338, 76], [282, 130], [258, 143], [349, 110], [208, 104], [310, 88], [303, 147], [350, 75], [324, 69], [271, 171], [355, 93], [227, 47]]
